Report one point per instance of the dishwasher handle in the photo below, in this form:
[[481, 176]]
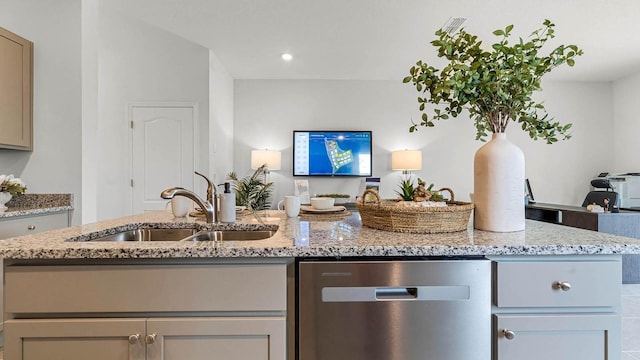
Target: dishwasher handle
[[395, 293]]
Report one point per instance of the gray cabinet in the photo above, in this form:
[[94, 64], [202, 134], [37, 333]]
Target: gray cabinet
[[182, 310], [16, 94], [31, 224], [557, 308], [558, 336], [74, 339], [247, 338], [25, 225]]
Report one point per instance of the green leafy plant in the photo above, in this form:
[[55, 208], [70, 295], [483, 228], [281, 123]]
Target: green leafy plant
[[406, 189], [435, 196], [336, 196], [252, 191], [494, 87]]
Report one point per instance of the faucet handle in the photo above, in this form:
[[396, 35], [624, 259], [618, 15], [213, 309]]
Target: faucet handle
[[210, 188]]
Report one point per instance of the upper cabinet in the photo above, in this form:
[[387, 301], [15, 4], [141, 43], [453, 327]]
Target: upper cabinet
[[16, 92]]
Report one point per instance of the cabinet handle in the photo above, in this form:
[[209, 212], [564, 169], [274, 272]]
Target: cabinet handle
[[31, 227], [565, 286], [150, 339], [508, 334], [133, 339]]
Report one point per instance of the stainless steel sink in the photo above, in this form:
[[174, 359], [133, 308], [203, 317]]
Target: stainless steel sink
[[231, 235], [148, 235]]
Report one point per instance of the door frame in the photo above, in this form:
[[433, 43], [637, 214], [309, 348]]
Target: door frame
[[159, 104]]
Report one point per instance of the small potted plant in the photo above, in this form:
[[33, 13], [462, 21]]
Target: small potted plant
[[252, 191]]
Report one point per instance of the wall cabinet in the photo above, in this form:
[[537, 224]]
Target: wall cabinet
[[188, 309], [16, 94], [557, 308]]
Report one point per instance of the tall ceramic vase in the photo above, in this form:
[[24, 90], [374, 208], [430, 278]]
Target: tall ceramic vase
[[498, 184]]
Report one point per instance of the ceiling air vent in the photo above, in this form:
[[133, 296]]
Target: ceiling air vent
[[453, 24]]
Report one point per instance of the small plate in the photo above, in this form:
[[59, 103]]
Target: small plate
[[311, 209]]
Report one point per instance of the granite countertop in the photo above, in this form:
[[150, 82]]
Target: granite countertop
[[35, 204], [298, 237]]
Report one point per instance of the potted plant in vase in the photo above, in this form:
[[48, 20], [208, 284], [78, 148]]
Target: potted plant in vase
[[9, 187], [252, 191], [495, 88]]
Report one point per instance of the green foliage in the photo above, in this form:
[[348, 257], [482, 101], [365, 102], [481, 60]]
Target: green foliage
[[495, 86], [406, 189], [252, 191], [336, 196]]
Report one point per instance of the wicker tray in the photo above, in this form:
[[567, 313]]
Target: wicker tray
[[384, 215]]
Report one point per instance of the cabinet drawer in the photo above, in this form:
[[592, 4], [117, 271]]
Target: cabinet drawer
[[145, 288], [25, 225], [536, 284]]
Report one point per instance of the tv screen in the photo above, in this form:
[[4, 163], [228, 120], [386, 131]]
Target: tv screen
[[332, 153]]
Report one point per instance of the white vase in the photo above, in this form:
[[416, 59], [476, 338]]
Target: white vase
[[498, 183], [4, 198]]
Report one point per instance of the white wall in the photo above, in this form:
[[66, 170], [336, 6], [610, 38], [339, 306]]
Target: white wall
[[221, 120], [625, 140], [266, 112], [54, 166], [141, 63]]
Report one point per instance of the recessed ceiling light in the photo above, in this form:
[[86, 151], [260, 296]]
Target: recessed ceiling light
[[287, 57]]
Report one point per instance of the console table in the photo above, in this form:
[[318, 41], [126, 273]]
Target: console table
[[625, 223]]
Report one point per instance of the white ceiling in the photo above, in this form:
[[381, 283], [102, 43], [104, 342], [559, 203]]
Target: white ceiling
[[381, 39]]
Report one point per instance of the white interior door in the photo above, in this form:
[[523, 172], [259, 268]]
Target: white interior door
[[163, 152]]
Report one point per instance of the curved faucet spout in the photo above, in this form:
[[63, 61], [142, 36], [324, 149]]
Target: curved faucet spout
[[206, 206]]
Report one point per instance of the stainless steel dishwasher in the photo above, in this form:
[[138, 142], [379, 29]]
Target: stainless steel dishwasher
[[427, 309]]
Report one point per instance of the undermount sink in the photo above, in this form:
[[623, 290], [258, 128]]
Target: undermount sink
[[231, 235], [188, 235], [148, 235]]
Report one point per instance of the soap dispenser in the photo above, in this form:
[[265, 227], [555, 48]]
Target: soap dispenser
[[227, 205]]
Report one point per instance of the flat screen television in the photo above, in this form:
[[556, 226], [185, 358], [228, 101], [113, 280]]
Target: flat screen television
[[332, 153]]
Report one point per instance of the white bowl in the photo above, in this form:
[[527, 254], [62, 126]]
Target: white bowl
[[322, 203]]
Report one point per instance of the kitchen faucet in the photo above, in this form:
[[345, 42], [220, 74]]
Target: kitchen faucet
[[209, 206]]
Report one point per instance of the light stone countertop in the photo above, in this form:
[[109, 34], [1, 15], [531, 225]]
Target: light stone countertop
[[37, 204], [300, 238]]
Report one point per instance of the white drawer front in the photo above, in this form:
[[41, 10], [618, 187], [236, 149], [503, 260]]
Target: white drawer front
[[558, 284], [25, 225], [145, 288]]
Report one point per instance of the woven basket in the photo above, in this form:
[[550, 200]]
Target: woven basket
[[384, 215]]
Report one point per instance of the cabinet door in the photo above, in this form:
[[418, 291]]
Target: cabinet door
[[558, 337], [222, 338], [16, 72], [81, 339]]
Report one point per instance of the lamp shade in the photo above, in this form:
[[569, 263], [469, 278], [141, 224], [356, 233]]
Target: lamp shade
[[406, 160], [272, 158]]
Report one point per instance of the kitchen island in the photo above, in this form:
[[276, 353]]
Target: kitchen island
[[186, 299], [302, 238]]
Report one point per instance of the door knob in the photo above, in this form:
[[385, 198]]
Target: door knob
[[133, 339], [150, 339]]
